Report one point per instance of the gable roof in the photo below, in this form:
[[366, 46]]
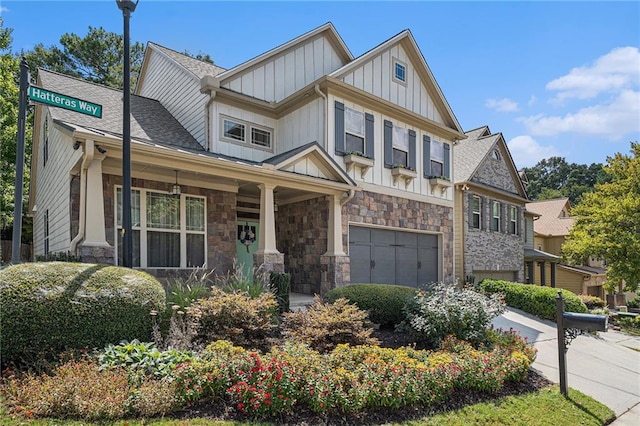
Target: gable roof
[[426, 76], [551, 223], [328, 29], [470, 153], [150, 121], [195, 66]]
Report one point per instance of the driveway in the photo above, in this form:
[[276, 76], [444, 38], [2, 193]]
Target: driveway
[[606, 367]]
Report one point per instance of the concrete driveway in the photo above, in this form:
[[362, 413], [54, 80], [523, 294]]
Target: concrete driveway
[[606, 367]]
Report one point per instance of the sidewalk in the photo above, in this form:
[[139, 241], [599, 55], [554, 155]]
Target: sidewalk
[[606, 367]]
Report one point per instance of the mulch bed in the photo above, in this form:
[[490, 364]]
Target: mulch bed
[[220, 410]]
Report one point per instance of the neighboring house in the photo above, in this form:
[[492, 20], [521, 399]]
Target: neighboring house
[[303, 159], [489, 209], [551, 227]]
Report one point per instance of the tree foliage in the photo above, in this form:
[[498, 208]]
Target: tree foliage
[[555, 178], [607, 223]]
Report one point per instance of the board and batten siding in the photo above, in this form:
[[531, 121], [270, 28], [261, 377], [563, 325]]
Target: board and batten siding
[[178, 90], [375, 77], [301, 126], [378, 174], [53, 191], [282, 75]]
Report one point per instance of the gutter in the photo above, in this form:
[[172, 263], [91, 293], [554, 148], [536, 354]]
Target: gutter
[[89, 152], [208, 85]]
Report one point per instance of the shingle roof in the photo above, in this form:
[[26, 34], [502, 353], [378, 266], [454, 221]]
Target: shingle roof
[[533, 254], [587, 269], [196, 66], [150, 121], [470, 152], [551, 223]]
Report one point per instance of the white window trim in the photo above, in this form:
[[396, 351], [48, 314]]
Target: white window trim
[[494, 216], [143, 228], [393, 71], [248, 127]]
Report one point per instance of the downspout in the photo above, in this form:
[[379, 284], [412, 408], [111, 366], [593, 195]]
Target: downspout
[[207, 123], [89, 152], [345, 200], [324, 117]]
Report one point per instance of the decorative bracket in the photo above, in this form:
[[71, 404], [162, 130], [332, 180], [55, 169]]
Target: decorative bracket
[[406, 174], [365, 163]]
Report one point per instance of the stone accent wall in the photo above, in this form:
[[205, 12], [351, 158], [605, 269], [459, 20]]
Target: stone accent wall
[[103, 255], [336, 272], [301, 232], [402, 214], [496, 173], [221, 220]]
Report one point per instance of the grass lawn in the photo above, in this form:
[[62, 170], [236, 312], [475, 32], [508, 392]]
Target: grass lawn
[[546, 407]]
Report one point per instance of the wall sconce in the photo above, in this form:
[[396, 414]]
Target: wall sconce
[[175, 189]]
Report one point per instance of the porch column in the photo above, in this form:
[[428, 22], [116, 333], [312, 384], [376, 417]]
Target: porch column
[[553, 274], [335, 265], [267, 254], [334, 234], [543, 277]]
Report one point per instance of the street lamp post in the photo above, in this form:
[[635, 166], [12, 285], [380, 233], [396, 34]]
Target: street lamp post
[[127, 7]]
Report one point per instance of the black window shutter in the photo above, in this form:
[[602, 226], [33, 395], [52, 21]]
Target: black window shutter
[[470, 203], [339, 119], [426, 155], [518, 224], [368, 135], [411, 162], [447, 161], [388, 144]]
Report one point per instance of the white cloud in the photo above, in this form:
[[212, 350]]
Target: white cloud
[[617, 70], [527, 152], [532, 100], [4, 9], [502, 105], [613, 120]]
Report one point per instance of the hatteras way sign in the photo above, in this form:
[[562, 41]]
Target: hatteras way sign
[[48, 97]]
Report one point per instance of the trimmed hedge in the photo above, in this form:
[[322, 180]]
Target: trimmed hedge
[[536, 300], [384, 302], [46, 308]]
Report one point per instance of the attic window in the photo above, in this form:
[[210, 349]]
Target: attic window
[[399, 71], [495, 154]]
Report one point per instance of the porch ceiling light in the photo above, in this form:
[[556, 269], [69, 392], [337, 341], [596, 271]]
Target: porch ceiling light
[[175, 189]]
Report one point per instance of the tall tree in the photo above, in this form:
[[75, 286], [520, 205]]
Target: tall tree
[[97, 57], [607, 223]]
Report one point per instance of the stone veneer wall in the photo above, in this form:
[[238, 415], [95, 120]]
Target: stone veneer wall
[[402, 214], [487, 250], [301, 232], [221, 221]]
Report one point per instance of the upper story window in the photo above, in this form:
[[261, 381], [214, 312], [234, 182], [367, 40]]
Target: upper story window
[[495, 154], [513, 220], [495, 219], [437, 158], [476, 212], [354, 130], [400, 146], [238, 131], [399, 71]]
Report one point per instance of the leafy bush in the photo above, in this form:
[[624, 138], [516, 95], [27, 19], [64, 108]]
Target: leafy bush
[[383, 302], [254, 284], [324, 325], [281, 287], [446, 310], [592, 302], [536, 300], [143, 357], [236, 317], [47, 307], [634, 303]]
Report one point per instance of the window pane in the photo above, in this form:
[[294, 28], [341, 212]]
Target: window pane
[[163, 211], [437, 151], [195, 214], [135, 207], [399, 158], [354, 122], [136, 248], [354, 143], [476, 204], [400, 138], [476, 220], [261, 137], [233, 130], [195, 250], [163, 249], [437, 169], [400, 72]]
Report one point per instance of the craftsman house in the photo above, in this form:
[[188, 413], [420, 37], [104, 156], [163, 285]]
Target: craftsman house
[[304, 159], [489, 209]]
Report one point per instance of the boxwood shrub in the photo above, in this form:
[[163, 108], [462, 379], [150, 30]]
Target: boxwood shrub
[[383, 301], [536, 300], [46, 308]]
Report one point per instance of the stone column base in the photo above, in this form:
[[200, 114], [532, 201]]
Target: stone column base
[[102, 255], [269, 261], [336, 272]]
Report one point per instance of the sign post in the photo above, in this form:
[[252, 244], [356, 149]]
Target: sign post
[[17, 190]]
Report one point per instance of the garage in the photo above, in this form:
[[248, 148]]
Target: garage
[[385, 256]]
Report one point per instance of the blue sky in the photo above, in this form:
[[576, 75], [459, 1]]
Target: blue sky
[[556, 78]]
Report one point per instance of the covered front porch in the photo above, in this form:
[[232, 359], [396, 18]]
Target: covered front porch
[[540, 267]]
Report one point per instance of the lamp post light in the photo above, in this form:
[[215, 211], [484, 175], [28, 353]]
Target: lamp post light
[[127, 7]]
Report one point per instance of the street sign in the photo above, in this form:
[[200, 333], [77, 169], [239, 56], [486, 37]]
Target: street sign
[[48, 97]]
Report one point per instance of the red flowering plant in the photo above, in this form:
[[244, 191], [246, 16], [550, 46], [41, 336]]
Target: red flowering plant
[[265, 388]]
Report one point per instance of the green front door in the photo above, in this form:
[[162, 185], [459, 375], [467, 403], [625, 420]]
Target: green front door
[[246, 244]]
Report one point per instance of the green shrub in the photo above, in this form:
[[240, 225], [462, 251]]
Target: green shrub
[[237, 317], [46, 308], [536, 300], [634, 303], [447, 310], [324, 325], [254, 283], [383, 302], [592, 302], [281, 287], [143, 357]]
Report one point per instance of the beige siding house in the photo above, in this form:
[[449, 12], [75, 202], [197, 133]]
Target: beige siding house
[[303, 159]]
